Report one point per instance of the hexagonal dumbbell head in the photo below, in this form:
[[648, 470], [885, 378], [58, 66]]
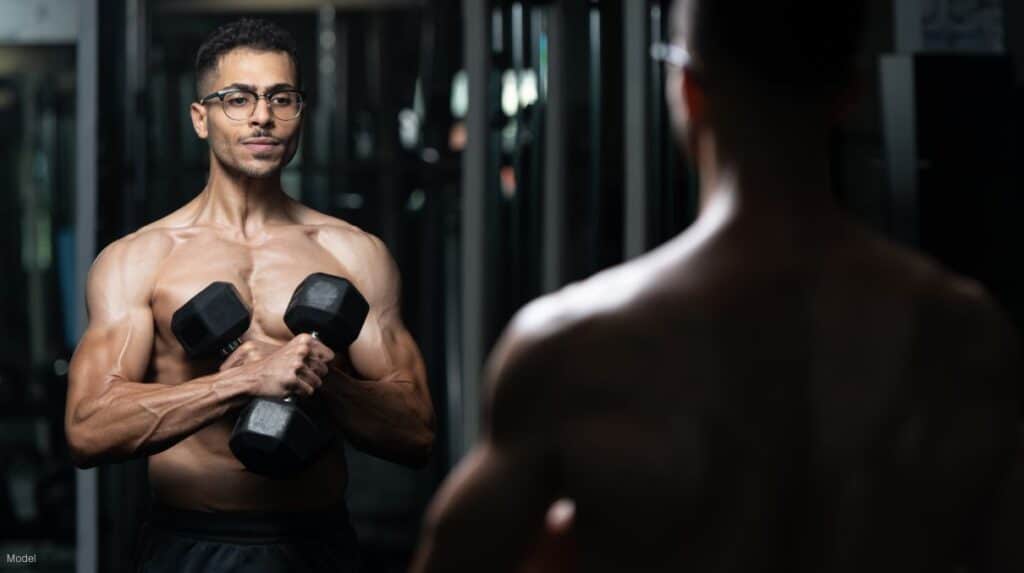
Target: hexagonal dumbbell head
[[277, 439], [329, 306], [211, 322]]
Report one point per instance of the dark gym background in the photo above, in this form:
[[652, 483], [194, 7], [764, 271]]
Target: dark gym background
[[500, 148]]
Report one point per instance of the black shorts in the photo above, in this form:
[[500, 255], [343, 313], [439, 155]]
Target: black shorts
[[179, 541]]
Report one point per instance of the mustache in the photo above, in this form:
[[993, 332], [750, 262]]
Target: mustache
[[261, 135]]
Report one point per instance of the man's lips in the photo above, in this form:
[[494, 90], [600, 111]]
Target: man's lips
[[260, 144]]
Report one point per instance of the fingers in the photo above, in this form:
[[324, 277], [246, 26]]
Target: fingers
[[309, 359], [304, 341], [308, 346], [320, 368], [302, 388], [321, 351], [307, 380]]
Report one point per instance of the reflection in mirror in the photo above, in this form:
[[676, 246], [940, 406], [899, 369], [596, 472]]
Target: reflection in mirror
[[381, 148]]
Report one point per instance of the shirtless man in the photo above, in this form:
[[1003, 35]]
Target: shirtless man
[[777, 389], [133, 393]]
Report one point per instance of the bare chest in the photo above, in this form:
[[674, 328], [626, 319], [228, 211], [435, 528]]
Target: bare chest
[[265, 274]]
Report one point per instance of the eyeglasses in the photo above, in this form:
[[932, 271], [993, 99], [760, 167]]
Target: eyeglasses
[[239, 104], [672, 54]]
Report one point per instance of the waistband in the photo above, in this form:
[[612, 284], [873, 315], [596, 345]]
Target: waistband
[[243, 525]]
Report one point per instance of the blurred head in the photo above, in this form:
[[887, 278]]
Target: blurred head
[[248, 107], [762, 65]]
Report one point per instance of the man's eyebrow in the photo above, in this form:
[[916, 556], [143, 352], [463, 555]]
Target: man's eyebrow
[[275, 87], [237, 86]]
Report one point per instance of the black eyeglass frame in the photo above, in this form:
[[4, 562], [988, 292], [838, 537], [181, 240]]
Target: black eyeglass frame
[[221, 94]]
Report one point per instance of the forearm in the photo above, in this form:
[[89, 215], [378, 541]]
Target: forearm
[[387, 418], [133, 419]]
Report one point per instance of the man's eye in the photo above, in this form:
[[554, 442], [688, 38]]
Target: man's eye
[[238, 101], [283, 100]]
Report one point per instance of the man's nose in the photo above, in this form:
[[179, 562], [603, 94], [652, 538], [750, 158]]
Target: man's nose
[[261, 116]]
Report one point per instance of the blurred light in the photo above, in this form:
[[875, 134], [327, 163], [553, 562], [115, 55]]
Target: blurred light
[[417, 99], [430, 155], [544, 62], [364, 144], [327, 65], [509, 93], [510, 137], [327, 39], [457, 137], [460, 94], [497, 31], [408, 128], [416, 200], [508, 182], [527, 88], [327, 14], [60, 367]]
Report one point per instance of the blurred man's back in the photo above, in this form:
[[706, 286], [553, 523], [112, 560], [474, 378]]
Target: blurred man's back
[[821, 403], [776, 389]]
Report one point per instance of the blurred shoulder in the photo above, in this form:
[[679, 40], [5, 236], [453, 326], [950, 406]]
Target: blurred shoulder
[[962, 312], [561, 330], [959, 322]]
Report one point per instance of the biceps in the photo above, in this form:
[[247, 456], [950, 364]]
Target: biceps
[[109, 351], [386, 348], [491, 507]]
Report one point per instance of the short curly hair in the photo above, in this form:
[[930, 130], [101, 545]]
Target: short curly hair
[[253, 33]]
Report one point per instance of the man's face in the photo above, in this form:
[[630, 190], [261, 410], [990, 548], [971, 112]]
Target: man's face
[[260, 145]]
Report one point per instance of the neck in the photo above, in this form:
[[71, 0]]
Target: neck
[[239, 202], [785, 179]]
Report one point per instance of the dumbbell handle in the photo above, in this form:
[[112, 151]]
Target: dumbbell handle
[[231, 347], [289, 399]]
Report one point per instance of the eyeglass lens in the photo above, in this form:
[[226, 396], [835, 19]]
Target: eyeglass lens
[[284, 105]]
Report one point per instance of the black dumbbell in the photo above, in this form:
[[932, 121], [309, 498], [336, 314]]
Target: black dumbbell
[[211, 324], [278, 438]]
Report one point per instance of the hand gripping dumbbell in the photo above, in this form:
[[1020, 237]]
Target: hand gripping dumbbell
[[211, 323], [277, 437]]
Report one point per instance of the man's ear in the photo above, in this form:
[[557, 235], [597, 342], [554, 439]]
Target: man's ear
[[199, 116], [694, 96]]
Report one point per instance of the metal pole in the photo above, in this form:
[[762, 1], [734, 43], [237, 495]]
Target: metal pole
[[87, 95], [554, 154], [899, 125], [635, 122], [134, 128], [476, 30]]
